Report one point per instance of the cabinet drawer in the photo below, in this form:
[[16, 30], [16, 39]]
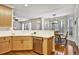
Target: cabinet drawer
[[28, 38], [15, 38], [22, 38], [7, 38], [2, 39]]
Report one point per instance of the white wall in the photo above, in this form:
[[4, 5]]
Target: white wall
[[59, 12], [17, 25], [49, 14], [66, 10], [75, 30]]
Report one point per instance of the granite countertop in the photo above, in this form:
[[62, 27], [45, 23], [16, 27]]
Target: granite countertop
[[38, 34], [45, 36]]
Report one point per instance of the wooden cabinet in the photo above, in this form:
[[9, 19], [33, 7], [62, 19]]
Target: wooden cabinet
[[17, 45], [38, 45], [8, 43], [22, 43], [5, 44], [43, 45], [50, 45], [5, 16], [4, 47], [27, 44]]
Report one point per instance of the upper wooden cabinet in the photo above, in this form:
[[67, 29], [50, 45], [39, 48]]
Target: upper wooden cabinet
[[5, 16]]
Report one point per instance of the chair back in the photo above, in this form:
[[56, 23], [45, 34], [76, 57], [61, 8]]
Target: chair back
[[66, 39]]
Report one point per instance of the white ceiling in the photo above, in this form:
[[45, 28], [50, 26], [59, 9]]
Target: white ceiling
[[35, 9]]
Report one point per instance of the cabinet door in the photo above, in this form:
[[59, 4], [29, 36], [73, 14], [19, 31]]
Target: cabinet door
[[9, 39], [22, 43], [5, 16], [17, 45], [1, 48], [1, 15], [4, 47], [49, 45], [38, 45], [27, 45]]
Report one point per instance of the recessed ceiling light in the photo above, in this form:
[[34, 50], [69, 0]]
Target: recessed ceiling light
[[26, 5], [53, 14]]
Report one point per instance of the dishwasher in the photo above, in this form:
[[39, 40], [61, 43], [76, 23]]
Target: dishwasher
[[38, 45]]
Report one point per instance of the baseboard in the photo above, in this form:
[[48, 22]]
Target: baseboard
[[38, 53], [20, 50], [5, 53]]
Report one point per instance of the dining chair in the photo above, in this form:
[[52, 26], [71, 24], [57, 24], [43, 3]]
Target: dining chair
[[60, 44]]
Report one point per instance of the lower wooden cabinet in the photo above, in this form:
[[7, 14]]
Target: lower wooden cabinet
[[17, 45], [5, 44], [27, 45], [22, 43], [38, 45], [43, 45]]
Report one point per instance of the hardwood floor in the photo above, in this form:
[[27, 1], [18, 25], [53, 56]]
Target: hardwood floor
[[21, 53], [30, 53]]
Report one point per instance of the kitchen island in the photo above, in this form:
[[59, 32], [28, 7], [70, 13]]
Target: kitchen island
[[39, 43]]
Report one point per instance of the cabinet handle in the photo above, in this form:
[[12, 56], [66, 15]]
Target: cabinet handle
[[9, 41], [21, 41], [4, 38]]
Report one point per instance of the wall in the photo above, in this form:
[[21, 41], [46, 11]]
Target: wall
[[75, 29], [17, 25], [59, 12], [35, 13]]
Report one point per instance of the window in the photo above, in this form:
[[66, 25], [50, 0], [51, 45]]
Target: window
[[70, 26]]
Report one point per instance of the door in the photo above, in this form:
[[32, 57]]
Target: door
[[17, 45], [38, 45]]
